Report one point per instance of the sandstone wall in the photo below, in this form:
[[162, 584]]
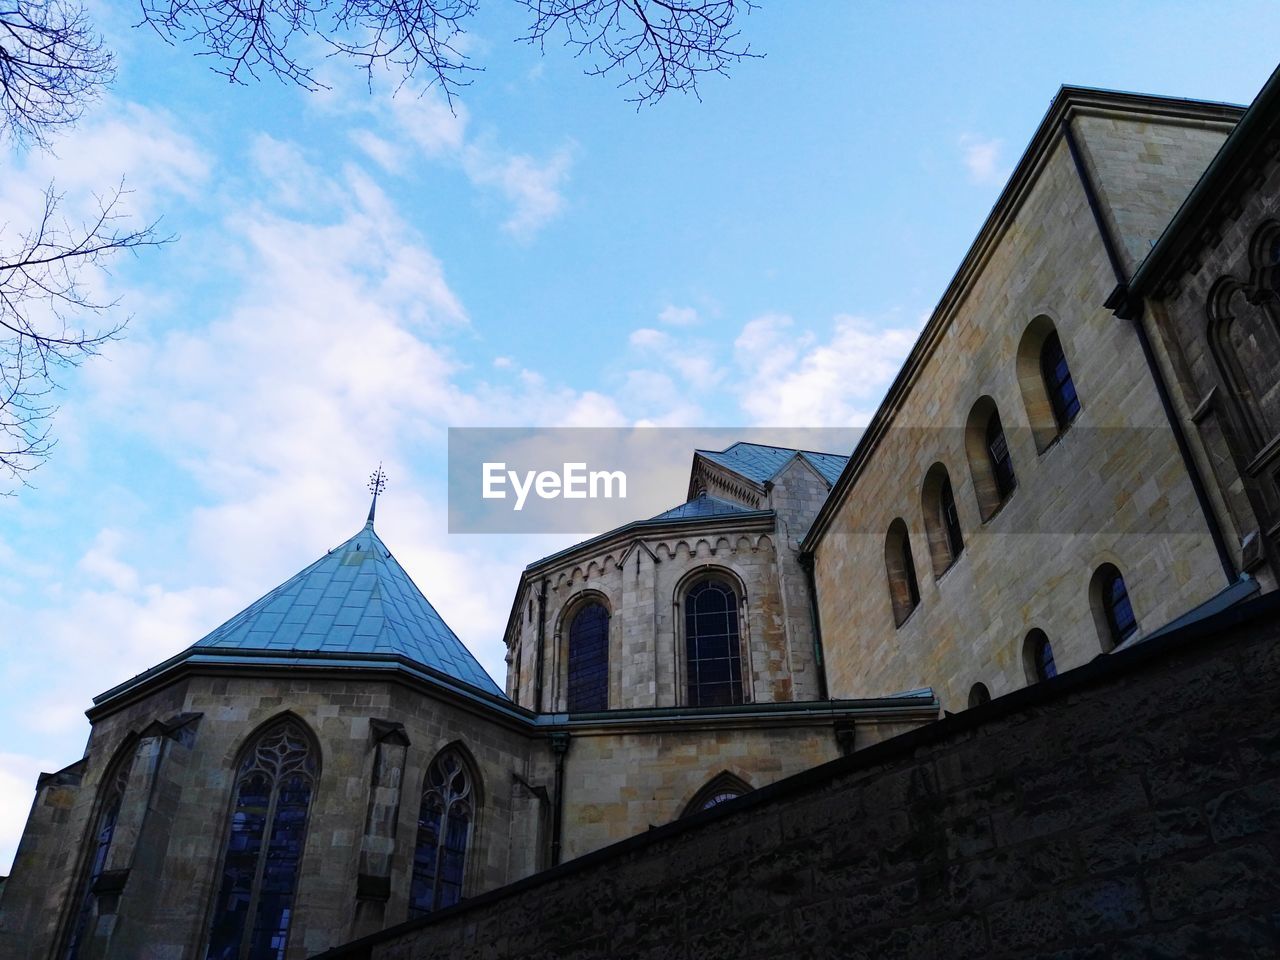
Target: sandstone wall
[[1111, 489], [1130, 808]]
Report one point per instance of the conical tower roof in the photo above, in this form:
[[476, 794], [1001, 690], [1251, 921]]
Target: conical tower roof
[[355, 600]]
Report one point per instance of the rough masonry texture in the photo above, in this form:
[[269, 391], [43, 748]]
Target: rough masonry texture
[[1129, 808]]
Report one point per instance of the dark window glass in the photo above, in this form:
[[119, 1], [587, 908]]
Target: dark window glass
[[1046, 669], [264, 848], [713, 660], [1001, 462], [1058, 383], [589, 659], [106, 830], [1115, 598], [979, 694], [717, 798], [909, 570], [950, 519], [444, 832]]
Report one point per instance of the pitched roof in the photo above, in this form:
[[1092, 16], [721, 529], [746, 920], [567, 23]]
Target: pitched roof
[[759, 463], [703, 506], [354, 600]]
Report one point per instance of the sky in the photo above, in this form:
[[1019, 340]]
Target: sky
[[355, 271]]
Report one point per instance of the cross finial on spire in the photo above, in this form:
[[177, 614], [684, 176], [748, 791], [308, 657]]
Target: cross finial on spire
[[377, 483]]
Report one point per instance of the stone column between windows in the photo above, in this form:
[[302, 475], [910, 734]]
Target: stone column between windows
[[377, 846]]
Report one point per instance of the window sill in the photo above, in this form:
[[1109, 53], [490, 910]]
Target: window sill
[[1000, 507]]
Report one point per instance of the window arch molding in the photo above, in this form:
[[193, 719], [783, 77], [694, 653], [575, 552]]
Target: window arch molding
[[1111, 603], [445, 855], [301, 766], [95, 847], [941, 519], [990, 458], [1038, 657], [1235, 325], [686, 585], [565, 620], [979, 694], [724, 786], [1047, 395], [900, 568]]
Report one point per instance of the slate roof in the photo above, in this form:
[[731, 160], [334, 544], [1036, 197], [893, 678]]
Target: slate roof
[[354, 600], [758, 462], [703, 506]]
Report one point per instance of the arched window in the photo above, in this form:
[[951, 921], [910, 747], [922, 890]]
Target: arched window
[[1058, 383], [1048, 390], [274, 782], [1112, 608], [1246, 345], [589, 659], [722, 787], [445, 820], [978, 695], [1001, 461], [941, 520], [108, 815], [904, 591], [713, 660], [989, 458], [1037, 656]]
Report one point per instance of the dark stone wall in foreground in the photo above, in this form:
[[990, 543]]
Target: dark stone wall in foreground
[[1130, 808]]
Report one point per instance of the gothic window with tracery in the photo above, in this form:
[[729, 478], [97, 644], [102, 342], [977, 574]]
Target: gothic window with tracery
[[108, 815], [713, 661], [445, 822], [274, 784]]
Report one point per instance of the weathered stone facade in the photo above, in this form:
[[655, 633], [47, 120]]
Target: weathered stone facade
[[1130, 808], [1108, 488]]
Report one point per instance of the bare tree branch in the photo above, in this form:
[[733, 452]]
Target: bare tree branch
[[52, 63], [407, 36], [46, 303], [652, 46]]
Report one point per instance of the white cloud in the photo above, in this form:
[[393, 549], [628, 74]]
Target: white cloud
[[982, 157], [533, 187], [674, 316], [796, 380]]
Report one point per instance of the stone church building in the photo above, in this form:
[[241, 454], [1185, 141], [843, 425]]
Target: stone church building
[[1079, 457]]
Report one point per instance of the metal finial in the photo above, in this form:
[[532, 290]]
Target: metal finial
[[377, 483]]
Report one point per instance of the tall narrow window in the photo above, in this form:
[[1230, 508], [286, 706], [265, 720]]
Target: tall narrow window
[[444, 834], [713, 661], [589, 659], [274, 783], [1001, 461], [990, 461], [1057, 382], [1038, 657], [1112, 608], [108, 814], [904, 591], [950, 519], [941, 520]]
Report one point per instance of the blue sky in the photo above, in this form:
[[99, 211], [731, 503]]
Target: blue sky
[[356, 273]]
